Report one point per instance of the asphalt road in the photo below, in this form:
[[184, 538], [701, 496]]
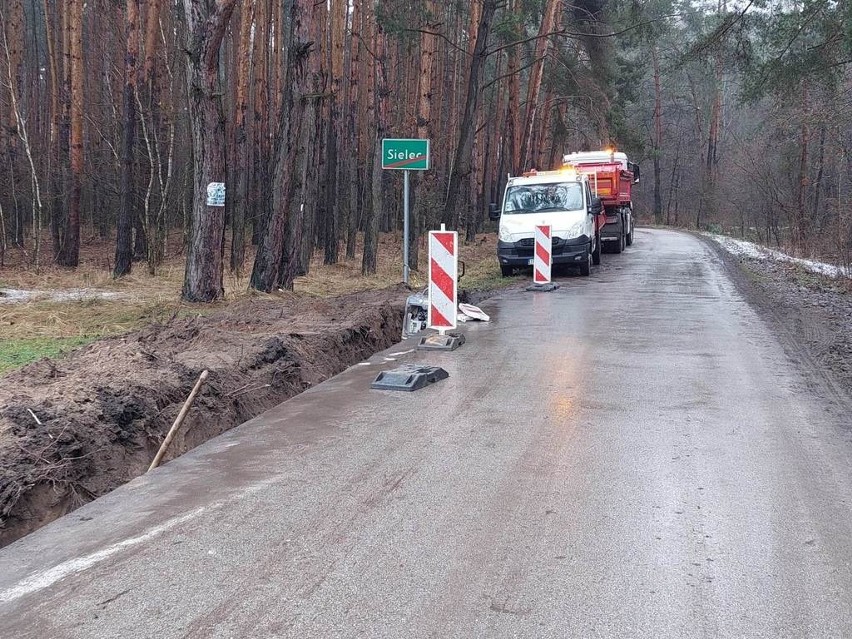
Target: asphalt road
[[632, 455]]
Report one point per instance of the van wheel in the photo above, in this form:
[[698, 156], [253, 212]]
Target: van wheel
[[506, 271], [586, 267], [596, 254]]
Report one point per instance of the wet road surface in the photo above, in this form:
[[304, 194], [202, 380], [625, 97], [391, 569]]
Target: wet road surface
[[632, 455]]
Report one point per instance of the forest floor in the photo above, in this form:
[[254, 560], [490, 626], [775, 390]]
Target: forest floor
[[74, 426], [47, 313]]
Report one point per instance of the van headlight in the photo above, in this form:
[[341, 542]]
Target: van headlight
[[504, 235], [575, 230]]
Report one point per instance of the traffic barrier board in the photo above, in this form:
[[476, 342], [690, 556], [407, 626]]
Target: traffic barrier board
[[543, 254], [443, 287]]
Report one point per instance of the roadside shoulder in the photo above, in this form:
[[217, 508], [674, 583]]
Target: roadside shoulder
[[811, 315]]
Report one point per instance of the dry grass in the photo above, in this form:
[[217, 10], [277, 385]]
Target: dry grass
[[146, 299]]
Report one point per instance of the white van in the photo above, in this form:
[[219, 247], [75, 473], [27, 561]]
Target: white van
[[562, 199]]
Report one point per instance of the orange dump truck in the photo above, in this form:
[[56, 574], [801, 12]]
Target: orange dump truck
[[611, 177]]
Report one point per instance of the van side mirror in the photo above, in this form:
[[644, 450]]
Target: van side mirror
[[595, 206], [493, 212]]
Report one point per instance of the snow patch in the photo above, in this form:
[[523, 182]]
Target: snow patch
[[16, 296], [754, 251]]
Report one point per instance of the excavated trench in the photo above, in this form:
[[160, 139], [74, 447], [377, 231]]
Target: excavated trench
[[74, 429]]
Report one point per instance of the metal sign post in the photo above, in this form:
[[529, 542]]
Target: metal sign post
[[405, 155], [405, 228]]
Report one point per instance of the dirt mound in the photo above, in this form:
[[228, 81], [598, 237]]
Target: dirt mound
[[74, 429]]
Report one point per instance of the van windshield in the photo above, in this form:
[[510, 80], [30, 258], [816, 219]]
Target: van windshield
[[535, 198]]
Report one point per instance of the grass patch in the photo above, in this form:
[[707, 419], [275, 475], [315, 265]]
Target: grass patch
[[816, 281], [485, 275], [753, 275], [19, 352], [44, 327]]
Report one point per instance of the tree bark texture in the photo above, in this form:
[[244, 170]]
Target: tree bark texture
[[70, 255], [658, 138], [369, 261], [461, 163], [423, 183], [206, 24], [536, 75], [239, 168], [275, 261], [124, 232]]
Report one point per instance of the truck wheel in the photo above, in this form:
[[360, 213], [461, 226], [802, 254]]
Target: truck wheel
[[632, 227], [619, 245], [596, 254], [506, 271], [586, 267]]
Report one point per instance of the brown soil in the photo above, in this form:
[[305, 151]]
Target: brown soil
[[74, 429]]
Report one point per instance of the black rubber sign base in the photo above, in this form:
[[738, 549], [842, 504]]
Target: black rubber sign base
[[409, 378], [446, 342], [545, 288]]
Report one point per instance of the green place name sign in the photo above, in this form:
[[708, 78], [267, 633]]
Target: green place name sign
[[405, 155]]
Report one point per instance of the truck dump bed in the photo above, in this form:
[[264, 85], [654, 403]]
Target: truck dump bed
[[610, 175]]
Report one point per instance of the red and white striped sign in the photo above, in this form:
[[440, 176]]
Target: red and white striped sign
[[443, 269], [543, 255]]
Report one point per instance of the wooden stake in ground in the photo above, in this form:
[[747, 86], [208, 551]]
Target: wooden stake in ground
[[181, 416]]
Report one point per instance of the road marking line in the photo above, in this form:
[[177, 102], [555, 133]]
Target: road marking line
[[47, 578]]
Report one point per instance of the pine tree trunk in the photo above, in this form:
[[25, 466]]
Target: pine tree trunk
[[800, 236], [239, 167], [356, 89], [152, 238], [124, 232], [152, 33], [53, 150], [423, 183], [708, 192], [658, 138], [815, 215], [14, 29], [70, 255], [206, 27], [306, 210], [335, 185], [263, 158], [536, 75], [274, 264], [369, 261], [461, 163]]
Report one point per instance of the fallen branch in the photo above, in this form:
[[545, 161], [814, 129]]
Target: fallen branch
[[181, 416]]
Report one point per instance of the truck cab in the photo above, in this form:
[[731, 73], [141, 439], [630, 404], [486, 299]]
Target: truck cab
[[562, 199]]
